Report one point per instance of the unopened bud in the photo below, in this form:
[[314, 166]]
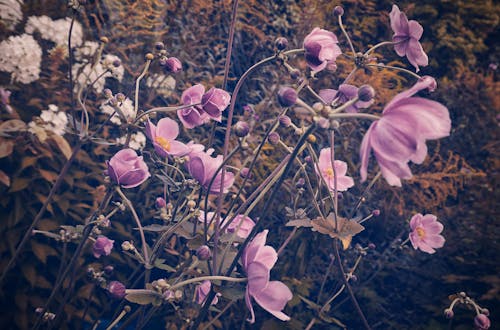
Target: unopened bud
[[371, 246], [294, 74], [311, 138], [108, 93], [109, 269], [338, 11], [273, 138], [245, 173], [173, 64], [287, 96], [203, 252], [366, 93], [116, 289], [482, 322], [159, 45], [149, 57], [285, 121], [300, 183], [116, 63], [281, 43], [120, 97], [448, 313], [127, 246], [160, 202], [191, 204], [241, 128], [104, 40], [376, 213]]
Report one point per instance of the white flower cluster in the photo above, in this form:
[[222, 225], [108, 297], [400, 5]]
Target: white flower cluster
[[10, 13], [137, 141], [56, 31], [126, 107], [88, 72], [21, 56], [163, 84], [52, 120]]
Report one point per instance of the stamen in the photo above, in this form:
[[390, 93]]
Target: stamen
[[164, 143]]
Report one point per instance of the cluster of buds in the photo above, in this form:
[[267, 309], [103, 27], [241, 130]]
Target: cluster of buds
[[170, 64], [481, 320], [67, 234], [162, 286], [97, 276]]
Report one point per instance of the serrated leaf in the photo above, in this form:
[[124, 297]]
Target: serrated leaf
[[143, 297], [345, 230]]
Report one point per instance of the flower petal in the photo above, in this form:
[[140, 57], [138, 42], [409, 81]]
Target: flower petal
[[274, 298], [167, 128]]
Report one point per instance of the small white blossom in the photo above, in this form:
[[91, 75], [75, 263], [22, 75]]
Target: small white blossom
[[52, 120], [126, 107], [116, 71], [137, 141], [21, 56], [56, 31], [10, 13], [163, 84]]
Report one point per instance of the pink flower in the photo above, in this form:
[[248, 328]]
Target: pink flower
[[163, 137], [201, 292], [214, 102], [102, 246], [195, 115], [127, 169], [482, 322], [345, 93], [173, 64], [203, 168], [320, 49], [116, 289], [258, 259], [324, 168], [407, 35], [244, 223], [400, 135], [425, 233]]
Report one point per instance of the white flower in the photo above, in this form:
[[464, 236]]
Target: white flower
[[86, 51], [163, 84], [10, 13], [137, 140], [56, 31], [107, 63], [126, 107], [52, 120], [21, 56]]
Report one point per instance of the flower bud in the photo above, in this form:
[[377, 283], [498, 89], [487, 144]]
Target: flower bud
[[308, 159], [248, 110], [203, 252], [294, 74], [482, 322], [273, 138], [376, 213], [372, 246], [485, 311], [108, 93], [245, 173], [448, 313], [173, 64], [241, 128], [366, 93], [338, 11], [311, 138], [287, 96], [102, 246], [332, 67], [127, 246], [159, 45], [116, 63], [285, 121], [160, 203], [120, 97], [162, 61], [109, 269], [149, 57], [116, 289], [104, 40], [281, 43]]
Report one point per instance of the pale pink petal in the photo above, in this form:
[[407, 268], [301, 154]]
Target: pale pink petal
[[150, 130], [416, 30], [178, 149], [274, 298], [416, 221], [365, 152], [167, 128], [258, 277], [434, 241]]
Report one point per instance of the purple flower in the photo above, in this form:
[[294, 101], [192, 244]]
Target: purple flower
[[244, 223], [345, 93], [425, 233], [482, 322], [173, 64], [214, 102], [102, 246], [116, 289], [320, 48], [201, 292], [407, 35], [163, 137], [195, 115], [399, 136], [127, 169], [203, 168], [258, 259], [325, 169]]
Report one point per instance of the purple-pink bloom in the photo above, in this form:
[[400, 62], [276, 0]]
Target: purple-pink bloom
[[173, 64], [407, 35], [258, 259], [102, 246], [127, 169], [482, 322], [163, 137], [201, 292], [195, 115], [345, 93], [243, 224], [320, 49], [116, 289], [203, 168], [425, 230], [324, 168], [214, 102], [399, 136]]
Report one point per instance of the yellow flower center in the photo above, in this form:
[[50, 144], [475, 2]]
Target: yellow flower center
[[164, 143], [329, 173], [420, 232]]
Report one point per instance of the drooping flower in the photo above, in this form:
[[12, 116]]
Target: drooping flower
[[399, 136], [214, 102], [127, 169], [102, 246], [163, 137], [320, 49], [407, 35], [203, 168], [482, 322], [243, 224], [201, 292], [325, 169], [258, 259], [195, 115], [425, 233], [345, 93]]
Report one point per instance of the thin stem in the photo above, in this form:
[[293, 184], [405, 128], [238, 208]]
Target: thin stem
[[384, 43], [346, 35], [354, 116], [137, 82], [395, 68], [163, 109], [219, 315]]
